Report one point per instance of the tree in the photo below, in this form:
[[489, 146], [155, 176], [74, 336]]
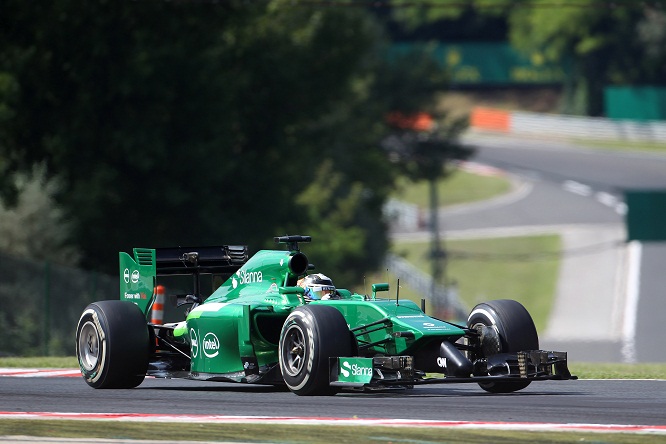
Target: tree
[[35, 227], [174, 123], [604, 39], [608, 42], [452, 20]]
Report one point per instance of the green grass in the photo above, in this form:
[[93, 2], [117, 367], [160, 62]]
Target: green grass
[[589, 370], [40, 362], [520, 268], [258, 433], [460, 187]]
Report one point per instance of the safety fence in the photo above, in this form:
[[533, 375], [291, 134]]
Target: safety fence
[[40, 305], [444, 300], [526, 123]]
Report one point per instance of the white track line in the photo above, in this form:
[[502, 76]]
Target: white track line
[[577, 188]]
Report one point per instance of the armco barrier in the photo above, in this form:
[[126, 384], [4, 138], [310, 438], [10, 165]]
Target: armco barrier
[[521, 122]]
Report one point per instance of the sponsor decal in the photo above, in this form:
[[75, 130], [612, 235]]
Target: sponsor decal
[[250, 365], [134, 296], [410, 316], [133, 276], [249, 277], [246, 277], [211, 345], [441, 362], [195, 343], [428, 324], [355, 370], [272, 288]]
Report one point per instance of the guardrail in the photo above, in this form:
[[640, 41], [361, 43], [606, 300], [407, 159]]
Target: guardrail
[[522, 122], [445, 300]]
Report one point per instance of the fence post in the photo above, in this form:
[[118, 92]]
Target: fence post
[[47, 308]]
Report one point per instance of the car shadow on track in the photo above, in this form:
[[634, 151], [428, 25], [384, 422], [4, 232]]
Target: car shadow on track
[[389, 393], [455, 393], [236, 388]]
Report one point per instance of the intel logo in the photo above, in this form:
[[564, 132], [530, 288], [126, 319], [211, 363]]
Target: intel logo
[[211, 345]]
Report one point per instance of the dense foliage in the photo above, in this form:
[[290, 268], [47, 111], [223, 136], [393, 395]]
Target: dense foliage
[[175, 123], [189, 123]]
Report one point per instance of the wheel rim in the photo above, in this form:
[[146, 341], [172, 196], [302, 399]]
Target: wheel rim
[[293, 352], [89, 346]]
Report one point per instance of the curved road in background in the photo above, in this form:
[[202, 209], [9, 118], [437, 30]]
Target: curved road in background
[[570, 185]]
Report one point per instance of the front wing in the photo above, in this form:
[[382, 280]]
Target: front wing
[[387, 371]]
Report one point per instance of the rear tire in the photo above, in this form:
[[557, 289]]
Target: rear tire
[[113, 345], [310, 336], [516, 330]]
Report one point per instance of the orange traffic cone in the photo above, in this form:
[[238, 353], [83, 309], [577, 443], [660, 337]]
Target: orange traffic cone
[[158, 306]]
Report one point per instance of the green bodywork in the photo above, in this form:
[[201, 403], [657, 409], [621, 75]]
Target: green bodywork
[[240, 322]]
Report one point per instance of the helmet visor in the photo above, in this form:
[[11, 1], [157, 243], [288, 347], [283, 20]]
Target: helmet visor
[[320, 291]]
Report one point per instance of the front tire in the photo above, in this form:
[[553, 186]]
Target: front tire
[[516, 331], [310, 336], [112, 344]]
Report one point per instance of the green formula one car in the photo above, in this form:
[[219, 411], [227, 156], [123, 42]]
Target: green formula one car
[[259, 326]]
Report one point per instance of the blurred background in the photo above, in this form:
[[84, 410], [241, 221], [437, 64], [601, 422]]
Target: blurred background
[[460, 150]]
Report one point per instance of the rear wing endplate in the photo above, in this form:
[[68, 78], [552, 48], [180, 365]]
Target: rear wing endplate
[[137, 277]]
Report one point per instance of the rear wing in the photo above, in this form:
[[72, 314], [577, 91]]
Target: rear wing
[[138, 273]]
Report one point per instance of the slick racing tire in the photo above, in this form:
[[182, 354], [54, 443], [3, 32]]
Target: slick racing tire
[[112, 344], [310, 336], [516, 331]]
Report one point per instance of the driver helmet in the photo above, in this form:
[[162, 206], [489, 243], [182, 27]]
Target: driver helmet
[[318, 286]]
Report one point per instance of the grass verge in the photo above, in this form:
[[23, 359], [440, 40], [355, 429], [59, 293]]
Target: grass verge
[[593, 370], [40, 362], [458, 188], [297, 434]]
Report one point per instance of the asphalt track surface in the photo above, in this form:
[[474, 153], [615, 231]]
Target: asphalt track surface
[[624, 402]]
